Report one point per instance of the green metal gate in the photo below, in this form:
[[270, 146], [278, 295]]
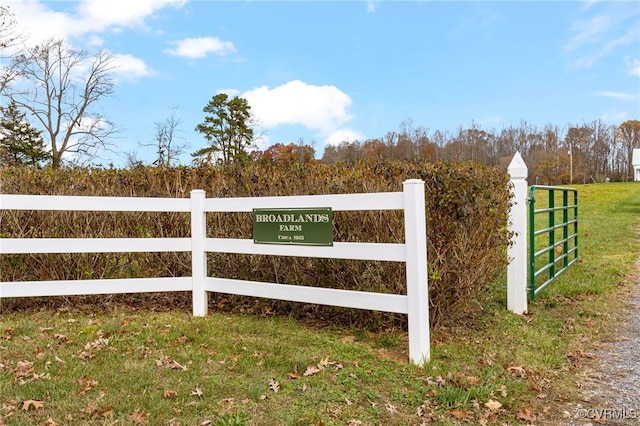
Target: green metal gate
[[553, 234]]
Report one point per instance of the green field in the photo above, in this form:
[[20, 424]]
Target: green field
[[113, 364]]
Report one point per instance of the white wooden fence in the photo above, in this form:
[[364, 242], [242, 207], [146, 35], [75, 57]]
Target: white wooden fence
[[413, 252]]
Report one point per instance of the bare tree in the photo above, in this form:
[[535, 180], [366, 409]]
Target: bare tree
[[9, 37], [61, 87], [165, 140]]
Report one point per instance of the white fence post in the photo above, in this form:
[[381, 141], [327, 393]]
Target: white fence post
[[517, 252], [416, 264], [198, 255]]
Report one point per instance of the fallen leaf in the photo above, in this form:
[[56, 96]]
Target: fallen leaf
[[438, 381], [86, 384], [197, 392], [517, 370], [90, 409], [86, 355], [493, 405], [105, 412], [23, 369], [36, 404], [390, 408], [526, 415], [311, 370], [139, 417], [503, 390], [169, 393], [50, 422], [484, 362], [168, 362], [274, 385], [460, 414], [292, 375], [97, 344], [473, 380]]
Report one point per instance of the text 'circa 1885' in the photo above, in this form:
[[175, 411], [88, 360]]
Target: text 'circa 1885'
[[299, 226]]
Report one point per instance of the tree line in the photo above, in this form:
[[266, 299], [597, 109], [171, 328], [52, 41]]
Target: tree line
[[60, 89], [576, 153]]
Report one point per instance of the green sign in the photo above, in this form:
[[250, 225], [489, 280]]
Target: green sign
[[309, 227]]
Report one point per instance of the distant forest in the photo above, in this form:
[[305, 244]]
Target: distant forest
[[589, 152]]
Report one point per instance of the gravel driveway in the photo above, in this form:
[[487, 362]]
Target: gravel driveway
[[611, 387]]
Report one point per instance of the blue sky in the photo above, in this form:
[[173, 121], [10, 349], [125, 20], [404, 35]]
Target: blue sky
[[328, 71]]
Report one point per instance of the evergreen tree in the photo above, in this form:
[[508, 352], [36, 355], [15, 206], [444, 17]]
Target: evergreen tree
[[20, 143], [227, 128]]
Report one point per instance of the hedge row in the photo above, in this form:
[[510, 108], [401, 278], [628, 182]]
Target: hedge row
[[466, 209]]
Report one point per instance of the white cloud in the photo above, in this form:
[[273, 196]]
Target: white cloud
[[115, 13], [614, 116], [344, 135], [84, 23], [371, 6], [616, 95], [38, 22], [89, 17], [230, 92], [200, 47], [610, 27], [130, 67], [587, 31], [320, 108]]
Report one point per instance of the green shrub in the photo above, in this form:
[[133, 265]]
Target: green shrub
[[466, 209]]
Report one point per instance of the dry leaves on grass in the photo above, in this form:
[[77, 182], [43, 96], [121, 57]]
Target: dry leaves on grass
[[493, 405], [36, 404], [517, 370], [461, 414], [168, 362], [169, 393], [24, 369], [577, 355], [99, 343], [322, 365], [274, 385], [85, 384], [139, 417], [94, 411], [526, 414]]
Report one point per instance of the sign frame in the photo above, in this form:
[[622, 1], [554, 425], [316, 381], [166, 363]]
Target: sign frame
[[293, 226]]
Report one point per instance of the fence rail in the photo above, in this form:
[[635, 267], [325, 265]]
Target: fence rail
[[412, 252], [556, 223]]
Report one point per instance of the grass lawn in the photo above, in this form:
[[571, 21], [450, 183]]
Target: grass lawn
[[91, 365]]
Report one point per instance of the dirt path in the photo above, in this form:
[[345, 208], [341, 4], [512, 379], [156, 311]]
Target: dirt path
[[610, 389]]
